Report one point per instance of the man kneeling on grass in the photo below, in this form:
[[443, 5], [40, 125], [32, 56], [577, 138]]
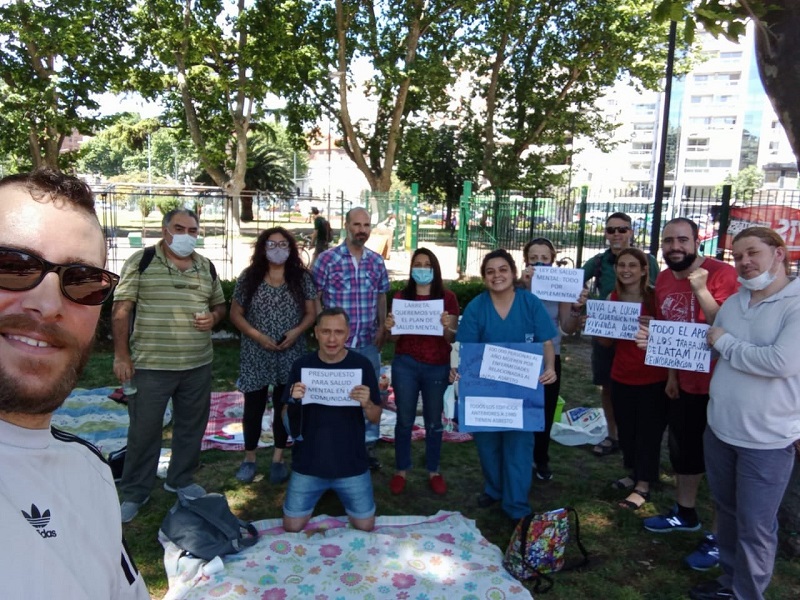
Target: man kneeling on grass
[[328, 395]]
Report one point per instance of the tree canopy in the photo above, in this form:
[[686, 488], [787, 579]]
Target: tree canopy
[[54, 58]]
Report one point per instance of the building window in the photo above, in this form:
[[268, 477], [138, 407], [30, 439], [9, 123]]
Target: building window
[[720, 164]]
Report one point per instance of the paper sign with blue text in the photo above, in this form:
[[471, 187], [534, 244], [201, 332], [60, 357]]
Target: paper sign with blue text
[[557, 284], [678, 345], [418, 317], [330, 386], [618, 320]]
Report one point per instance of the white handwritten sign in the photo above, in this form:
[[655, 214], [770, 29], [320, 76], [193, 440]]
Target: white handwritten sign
[[560, 285], [606, 318], [420, 317], [505, 413], [677, 345], [330, 386], [511, 366]]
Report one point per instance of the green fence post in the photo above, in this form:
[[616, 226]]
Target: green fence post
[[582, 226], [413, 218], [464, 210]]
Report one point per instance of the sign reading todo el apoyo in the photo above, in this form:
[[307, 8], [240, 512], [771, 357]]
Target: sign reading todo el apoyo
[[677, 345], [499, 387]]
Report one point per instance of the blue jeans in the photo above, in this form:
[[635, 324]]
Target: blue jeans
[[355, 493], [371, 352], [409, 378]]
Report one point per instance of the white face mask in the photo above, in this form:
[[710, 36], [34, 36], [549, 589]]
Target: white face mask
[[183, 244], [759, 282]]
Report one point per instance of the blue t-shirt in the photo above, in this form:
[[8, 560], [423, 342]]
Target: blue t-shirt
[[333, 436], [527, 321]]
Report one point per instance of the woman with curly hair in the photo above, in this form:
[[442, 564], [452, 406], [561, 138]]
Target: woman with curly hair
[[273, 305]]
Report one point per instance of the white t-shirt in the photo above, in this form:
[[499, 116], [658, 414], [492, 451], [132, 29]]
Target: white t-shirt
[[59, 521]]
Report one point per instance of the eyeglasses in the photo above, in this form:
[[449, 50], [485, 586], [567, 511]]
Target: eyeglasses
[[83, 284], [281, 244], [612, 230], [180, 282]]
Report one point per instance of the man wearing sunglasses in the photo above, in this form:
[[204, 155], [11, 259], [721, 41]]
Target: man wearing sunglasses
[[62, 536], [600, 268], [174, 303]]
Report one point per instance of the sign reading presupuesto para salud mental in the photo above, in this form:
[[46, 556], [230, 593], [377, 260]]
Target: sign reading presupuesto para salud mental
[[554, 283], [677, 345], [610, 319], [330, 386], [497, 387], [419, 317]]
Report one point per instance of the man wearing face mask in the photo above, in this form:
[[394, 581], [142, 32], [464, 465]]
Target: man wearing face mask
[[172, 302], [691, 289], [353, 277]]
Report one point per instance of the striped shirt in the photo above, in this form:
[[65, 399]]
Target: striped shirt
[[164, 337], [355, 287]]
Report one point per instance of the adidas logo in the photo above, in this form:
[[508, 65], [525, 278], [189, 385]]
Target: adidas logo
[[39, 521]]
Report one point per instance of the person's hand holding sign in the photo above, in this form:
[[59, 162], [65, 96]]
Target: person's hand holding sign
[[298, 390], [713, 334], [372, 411], [389, 322]]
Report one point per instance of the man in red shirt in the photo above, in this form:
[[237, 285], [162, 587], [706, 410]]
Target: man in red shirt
[[691, 290]]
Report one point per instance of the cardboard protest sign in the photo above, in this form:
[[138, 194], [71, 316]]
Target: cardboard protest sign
[[618, 320], [557, 284], [677, 345], [420, 317], [330, 386], [496, 398]]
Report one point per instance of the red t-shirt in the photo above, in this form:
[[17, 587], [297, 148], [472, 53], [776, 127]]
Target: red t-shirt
[[676, 302], [628, 366], [428, 349]]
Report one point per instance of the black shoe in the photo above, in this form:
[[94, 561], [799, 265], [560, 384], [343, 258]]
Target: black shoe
[[711, 590], [544, 473], [485, 500], [372, 458]]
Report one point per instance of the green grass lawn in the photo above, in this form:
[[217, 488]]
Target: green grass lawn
[[626, 563]]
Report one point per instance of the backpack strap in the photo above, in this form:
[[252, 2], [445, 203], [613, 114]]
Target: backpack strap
[[585, 560], [147, 258]]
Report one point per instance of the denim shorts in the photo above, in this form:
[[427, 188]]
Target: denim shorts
[[304, 491]]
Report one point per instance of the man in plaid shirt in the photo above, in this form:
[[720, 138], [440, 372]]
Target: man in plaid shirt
[[353, 277]]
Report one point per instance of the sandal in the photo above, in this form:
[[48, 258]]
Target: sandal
[[624, 484], [604, 449], [629, 504]]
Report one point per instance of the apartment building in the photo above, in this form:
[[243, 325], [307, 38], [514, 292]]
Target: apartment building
[[720, 122]]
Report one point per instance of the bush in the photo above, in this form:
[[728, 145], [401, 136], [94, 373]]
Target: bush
[[146, 206], [168, 203]]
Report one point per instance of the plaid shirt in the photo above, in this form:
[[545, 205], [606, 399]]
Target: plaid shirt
[[355, 288]]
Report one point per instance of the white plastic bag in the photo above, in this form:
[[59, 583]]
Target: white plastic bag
[[580, 426]]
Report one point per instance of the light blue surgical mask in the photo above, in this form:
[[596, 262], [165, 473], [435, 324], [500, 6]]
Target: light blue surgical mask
[[422, 275], [183, 244]]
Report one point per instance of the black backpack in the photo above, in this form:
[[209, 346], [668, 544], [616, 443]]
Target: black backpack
[[205, 527]]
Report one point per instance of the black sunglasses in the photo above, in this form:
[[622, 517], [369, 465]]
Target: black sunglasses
[[612, 230], [83, 284]]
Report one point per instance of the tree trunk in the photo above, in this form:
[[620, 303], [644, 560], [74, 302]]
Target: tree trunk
[[777, 52]]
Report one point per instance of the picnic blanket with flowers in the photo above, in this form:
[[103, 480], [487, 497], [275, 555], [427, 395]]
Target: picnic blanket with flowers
[[405, 558]]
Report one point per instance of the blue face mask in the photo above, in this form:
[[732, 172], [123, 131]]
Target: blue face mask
[[422, 275]]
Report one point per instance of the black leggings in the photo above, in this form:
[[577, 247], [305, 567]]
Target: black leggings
[[641, 414], [255, 403], [541, 439]]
